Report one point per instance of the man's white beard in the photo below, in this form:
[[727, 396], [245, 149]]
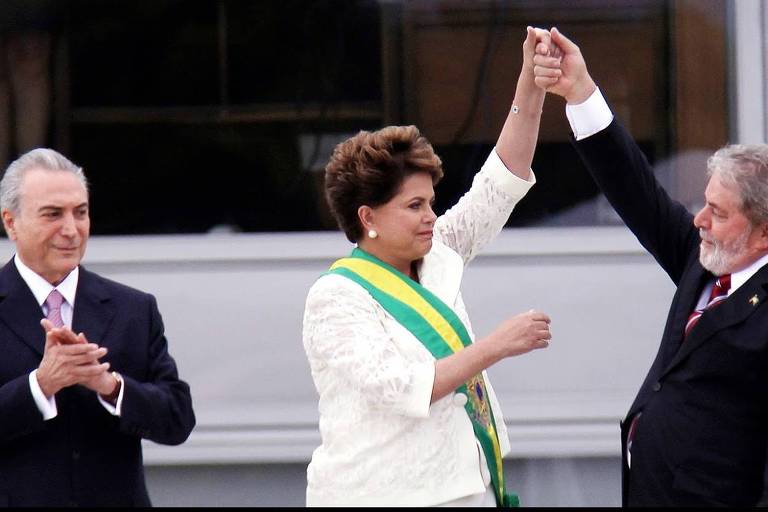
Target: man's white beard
[[719, 257]]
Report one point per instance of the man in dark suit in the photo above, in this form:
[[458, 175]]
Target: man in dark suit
[[74, 407], [697, 432]]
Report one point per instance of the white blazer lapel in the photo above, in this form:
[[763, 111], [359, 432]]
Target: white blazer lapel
[[441, 272]]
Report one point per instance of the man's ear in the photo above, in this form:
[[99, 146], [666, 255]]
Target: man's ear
[[9, 223], [758, 238], [762, 240]]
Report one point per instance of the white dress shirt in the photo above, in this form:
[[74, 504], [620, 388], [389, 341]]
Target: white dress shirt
[[41, 288], [737, 279], [589, 117]]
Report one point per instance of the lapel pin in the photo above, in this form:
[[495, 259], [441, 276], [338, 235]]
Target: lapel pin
[[754, 300]]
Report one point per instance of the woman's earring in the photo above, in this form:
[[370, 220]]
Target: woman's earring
[[372, 233]]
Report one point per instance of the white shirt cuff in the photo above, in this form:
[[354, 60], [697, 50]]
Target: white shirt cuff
[[511, 182], [46, 406], [116, 409], [590, 117]]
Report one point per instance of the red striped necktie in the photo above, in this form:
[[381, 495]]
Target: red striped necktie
[[719, 293]]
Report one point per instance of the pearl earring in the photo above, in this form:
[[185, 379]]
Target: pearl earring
[[372, 233]]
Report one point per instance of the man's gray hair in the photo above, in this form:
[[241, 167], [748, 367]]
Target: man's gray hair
[[41, 158], [744, 167]]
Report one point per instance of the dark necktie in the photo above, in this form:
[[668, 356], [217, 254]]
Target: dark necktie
[[719, 293]]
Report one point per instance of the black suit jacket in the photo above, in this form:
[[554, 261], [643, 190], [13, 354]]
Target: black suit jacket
[[703, 432], [85, 456]]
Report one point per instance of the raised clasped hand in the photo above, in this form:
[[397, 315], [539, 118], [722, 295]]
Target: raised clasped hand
[[559, 68], [538, 42]]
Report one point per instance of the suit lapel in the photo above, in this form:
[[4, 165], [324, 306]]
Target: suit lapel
[[94, 309], [19, 310], [689, 293], [735, 309]]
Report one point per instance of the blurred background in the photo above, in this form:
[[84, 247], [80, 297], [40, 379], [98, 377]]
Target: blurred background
[[204, 127], [236, 104]]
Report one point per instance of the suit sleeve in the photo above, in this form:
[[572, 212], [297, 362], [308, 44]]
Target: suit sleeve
[[158, 407], [19, 415], [663, 226]]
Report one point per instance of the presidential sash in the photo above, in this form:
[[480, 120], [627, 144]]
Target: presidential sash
[[441, 331]]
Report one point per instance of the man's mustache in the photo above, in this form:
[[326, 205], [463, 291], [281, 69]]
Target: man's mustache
[[704, 236]]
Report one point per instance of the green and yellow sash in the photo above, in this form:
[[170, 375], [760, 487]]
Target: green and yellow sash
[[441, 331]]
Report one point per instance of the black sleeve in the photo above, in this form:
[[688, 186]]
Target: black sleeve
[[19, 413], [663, 226], [159, 407]]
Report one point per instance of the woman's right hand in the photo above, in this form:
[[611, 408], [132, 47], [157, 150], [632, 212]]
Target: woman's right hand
[[521, 334], [516, 335]]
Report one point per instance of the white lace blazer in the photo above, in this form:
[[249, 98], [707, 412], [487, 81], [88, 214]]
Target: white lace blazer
[[383, 444]]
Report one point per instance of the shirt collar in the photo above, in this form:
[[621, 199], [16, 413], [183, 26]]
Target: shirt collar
[[742, 276], [41, 288]]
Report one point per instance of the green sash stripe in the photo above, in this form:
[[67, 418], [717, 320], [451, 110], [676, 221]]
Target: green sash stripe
[[387, 282], [442, 308], [405, 314]]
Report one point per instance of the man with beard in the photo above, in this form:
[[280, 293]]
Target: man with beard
[[697, 432]]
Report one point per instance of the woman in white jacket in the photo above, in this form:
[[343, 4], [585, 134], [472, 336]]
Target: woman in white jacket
[[407, 416]]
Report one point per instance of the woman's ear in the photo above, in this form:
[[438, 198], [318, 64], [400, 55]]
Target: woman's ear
[[366, 216]]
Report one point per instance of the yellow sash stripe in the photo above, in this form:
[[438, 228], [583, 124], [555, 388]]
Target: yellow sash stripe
[[394, 286]]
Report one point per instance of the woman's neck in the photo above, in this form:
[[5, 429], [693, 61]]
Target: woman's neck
[[407, 267]]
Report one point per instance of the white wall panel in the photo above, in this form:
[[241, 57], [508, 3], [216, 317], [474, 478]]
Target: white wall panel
[[233, 304]]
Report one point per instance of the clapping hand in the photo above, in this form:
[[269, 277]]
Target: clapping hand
[[69, 359]]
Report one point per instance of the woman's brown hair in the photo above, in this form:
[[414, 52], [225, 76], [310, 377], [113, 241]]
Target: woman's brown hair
[[369, 168]]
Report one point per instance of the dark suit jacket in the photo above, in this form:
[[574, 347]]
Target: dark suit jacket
[[702, 435], [85, 456]]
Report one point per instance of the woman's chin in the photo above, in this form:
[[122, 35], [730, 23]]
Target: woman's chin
[[424, 247]]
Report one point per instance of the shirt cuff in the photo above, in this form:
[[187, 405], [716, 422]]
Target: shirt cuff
[[514, 185], [114, 410], [590, 117], [46, 406]]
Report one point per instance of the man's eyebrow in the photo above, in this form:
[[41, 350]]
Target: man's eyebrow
[[55, 207], [49, 207]]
